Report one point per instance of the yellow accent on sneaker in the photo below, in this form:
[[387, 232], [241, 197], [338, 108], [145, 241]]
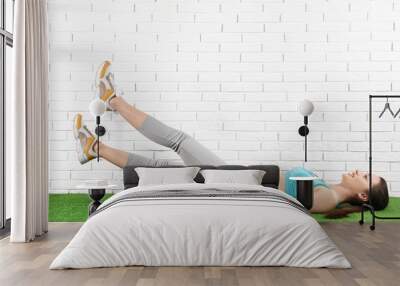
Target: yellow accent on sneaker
[[79, 121], [88, 148], [77, 125], [106, 64], [107, 95]]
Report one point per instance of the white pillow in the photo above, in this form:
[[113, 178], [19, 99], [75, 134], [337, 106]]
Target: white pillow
[[249, 177], [165, 176]]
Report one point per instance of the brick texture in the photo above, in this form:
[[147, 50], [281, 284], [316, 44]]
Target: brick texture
[[230, 73]]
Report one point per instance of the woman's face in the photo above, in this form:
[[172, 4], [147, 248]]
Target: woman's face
[[357, 182]]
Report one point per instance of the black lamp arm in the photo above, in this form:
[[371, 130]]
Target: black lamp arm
[[100, 131], [98, 138], [303, 131]]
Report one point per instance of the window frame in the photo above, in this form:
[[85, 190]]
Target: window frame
[[6, 39]]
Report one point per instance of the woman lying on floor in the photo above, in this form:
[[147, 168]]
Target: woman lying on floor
[[353, 188]]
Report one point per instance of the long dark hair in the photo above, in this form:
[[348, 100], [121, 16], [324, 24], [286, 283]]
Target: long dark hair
[[378, 198]]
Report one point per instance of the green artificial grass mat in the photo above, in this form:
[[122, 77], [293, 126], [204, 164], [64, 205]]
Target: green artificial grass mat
[[74, 208], [393, 209], [69, 207]]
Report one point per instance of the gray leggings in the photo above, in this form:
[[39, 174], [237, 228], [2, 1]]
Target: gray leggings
[[190, 151]]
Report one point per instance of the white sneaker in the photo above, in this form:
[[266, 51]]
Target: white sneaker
[[85, 140], [105, 83]]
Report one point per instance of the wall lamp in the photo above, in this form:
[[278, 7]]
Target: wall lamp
[[97, 109], [305, 108]]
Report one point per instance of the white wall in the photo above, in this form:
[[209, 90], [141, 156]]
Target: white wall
[[230, 73]]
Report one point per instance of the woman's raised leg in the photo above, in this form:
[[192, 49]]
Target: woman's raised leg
[[189, 149], [132, 115], [121, 158], [86, 147], [112, 155]]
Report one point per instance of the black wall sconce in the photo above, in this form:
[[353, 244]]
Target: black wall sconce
[[97, 109], [305, 107]]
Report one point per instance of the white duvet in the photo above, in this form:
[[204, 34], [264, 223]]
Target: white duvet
[[200, 231]]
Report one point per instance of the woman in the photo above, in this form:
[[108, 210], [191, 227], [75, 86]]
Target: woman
[[329, 199], [191, 151], [352, 189]]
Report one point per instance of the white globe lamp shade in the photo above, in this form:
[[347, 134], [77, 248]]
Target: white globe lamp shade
[[306, 107], [97, 107]]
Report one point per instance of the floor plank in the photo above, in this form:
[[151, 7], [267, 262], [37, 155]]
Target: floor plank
[[375, 257]]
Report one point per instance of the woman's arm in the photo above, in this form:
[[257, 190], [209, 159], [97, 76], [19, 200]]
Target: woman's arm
[[281, 185], [324, 201]]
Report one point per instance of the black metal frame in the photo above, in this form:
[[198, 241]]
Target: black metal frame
[[304, 131], [6, 39], [369, 206], [99, 131]]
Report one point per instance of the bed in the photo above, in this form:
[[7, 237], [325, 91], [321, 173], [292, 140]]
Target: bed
[[198, 224]]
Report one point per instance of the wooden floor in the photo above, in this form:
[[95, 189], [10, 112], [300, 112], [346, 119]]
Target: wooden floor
[[375, 257]]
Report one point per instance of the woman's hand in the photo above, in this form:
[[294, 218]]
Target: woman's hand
[[353, 173]]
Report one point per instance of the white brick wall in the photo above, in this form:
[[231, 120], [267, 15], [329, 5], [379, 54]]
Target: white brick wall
[[230, 73]]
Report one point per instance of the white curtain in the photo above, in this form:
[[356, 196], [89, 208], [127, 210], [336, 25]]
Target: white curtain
[[27, 142]]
